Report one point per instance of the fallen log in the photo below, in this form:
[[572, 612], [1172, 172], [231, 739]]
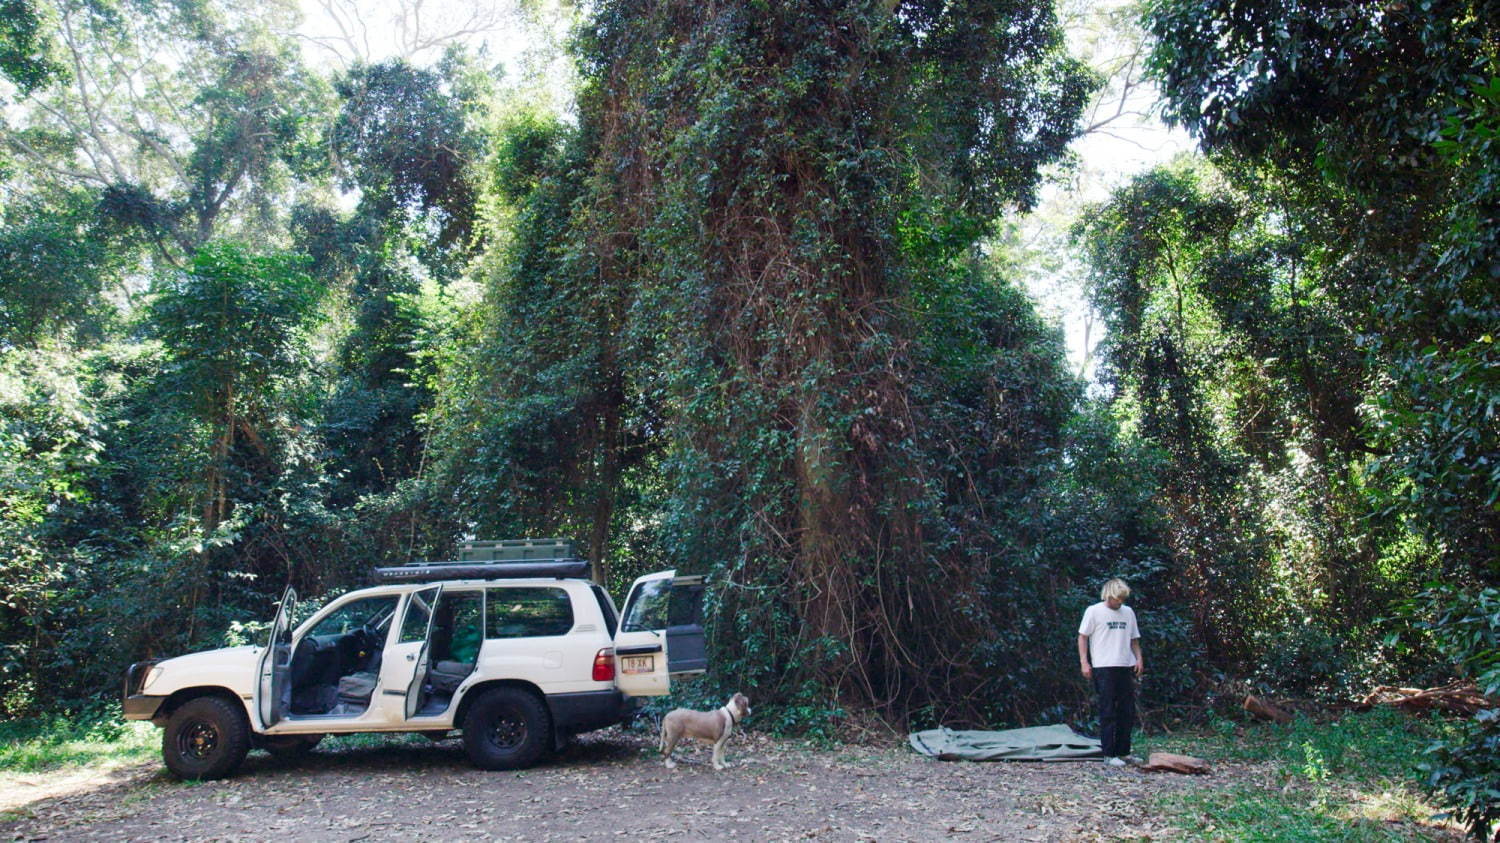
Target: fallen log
[[1266, 710], [1461, 697]]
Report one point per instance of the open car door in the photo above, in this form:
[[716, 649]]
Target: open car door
[[273, 688], [660, 635], [425, 600]]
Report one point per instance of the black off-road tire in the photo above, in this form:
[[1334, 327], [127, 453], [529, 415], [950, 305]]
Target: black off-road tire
[[206, 738], [507, 729], [289, 747]]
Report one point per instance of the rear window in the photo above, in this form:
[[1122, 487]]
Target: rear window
[[647, 608], [606, 609], [528, 612]]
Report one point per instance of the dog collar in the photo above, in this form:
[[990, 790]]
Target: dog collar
[[729, 711]]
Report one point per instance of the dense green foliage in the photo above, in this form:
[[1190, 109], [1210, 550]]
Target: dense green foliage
[[1309, 331], [56, 257], [180, 436], [24, 49], [1225, 352], [747, 310], [1465, 768], [1378, 126]]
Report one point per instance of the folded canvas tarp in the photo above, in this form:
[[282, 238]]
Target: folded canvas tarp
[[1038, 743]]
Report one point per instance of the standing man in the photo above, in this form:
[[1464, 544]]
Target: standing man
[[1109, 652]]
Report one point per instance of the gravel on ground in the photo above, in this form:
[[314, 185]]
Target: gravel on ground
[[606, 786]]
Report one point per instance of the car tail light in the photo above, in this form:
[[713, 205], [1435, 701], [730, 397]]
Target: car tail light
[[604, 665]]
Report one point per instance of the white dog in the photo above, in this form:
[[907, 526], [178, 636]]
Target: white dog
[[716, 726]]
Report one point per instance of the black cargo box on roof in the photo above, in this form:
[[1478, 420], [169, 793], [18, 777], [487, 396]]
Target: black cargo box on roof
[[496, 560]]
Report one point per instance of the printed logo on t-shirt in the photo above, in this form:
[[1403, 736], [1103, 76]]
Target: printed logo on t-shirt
[[1117, 624]]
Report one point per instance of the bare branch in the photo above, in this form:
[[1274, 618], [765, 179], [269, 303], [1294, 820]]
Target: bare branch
[[62, 117], [329, 44], [1128, 83], [40, 159], [1124, 139], [81, 75], [413, 27]]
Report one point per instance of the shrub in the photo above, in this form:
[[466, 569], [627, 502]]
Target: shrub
[[1464, 771]]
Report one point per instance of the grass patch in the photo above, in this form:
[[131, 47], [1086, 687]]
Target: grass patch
[[1354, 778], [1249, 813], [377, 740], [1368, 745], [36, 744]]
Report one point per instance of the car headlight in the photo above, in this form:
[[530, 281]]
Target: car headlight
[[154, 674]]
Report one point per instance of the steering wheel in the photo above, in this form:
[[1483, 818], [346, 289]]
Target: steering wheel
[[370, 640]]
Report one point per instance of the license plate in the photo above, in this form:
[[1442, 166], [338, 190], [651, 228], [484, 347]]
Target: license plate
[[637, 664]]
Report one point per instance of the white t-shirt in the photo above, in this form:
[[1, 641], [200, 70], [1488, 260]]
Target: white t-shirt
[[1110, 632]]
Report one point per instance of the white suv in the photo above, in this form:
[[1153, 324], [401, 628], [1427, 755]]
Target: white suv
[[513, 645]]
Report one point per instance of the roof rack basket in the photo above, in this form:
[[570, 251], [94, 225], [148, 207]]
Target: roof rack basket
[[497, 560]]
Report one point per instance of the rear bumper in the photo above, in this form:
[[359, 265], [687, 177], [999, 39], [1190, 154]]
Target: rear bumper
[[142, 706], [589, 710]]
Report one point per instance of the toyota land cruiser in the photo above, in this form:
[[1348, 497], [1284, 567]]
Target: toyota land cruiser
[[512, 644]]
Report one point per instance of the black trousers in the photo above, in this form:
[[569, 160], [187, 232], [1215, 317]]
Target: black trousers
[[1116, 689]]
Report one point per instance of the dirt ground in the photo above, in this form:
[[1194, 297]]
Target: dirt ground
[[609, 785]]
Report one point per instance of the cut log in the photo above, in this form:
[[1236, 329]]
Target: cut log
[[1168, 762], [1266, 710]]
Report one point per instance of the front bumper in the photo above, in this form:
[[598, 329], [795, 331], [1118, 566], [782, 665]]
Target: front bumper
[[142, 706], [139, 706]]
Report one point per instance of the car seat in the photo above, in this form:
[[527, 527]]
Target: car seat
[[357, 688], [445, 676]]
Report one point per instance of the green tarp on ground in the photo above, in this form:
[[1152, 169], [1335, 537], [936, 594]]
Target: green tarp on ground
[[1038, 743]]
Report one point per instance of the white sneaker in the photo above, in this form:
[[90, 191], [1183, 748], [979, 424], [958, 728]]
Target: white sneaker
[[1116, 761]]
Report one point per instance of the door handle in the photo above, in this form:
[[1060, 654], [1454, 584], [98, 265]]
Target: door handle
[[411, 657]]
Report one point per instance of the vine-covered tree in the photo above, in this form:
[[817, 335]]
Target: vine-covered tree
[[231, 327], [748, 292]]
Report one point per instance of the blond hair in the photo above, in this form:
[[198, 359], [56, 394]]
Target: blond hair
[[1115, 588]]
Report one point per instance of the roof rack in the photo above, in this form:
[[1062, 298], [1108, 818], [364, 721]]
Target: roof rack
[[496, 560]]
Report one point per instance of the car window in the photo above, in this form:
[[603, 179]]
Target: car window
[[459, 627], [418, 611], [527, 612], [606, 609], [648, 610], [371, 612]]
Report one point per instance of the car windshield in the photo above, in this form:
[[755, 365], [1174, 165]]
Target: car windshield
[[371, 612]]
